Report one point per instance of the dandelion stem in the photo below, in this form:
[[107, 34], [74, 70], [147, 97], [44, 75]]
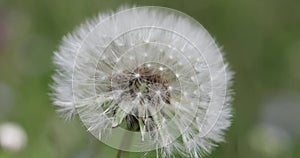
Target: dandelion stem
[[119, 155], [126, 139]]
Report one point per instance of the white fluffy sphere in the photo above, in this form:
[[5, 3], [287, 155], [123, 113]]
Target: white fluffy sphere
[[148, 69], [12, 137]]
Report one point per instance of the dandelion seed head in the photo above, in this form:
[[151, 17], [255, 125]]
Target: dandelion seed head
[[150, 71], [13, 138]]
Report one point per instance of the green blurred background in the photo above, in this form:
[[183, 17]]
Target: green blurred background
[[261, 39]]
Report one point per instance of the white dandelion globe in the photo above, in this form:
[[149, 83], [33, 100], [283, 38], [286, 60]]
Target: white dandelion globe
[[150, 74], [13, 138]]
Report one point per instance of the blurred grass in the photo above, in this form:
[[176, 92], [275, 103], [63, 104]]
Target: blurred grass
[[261, 39]]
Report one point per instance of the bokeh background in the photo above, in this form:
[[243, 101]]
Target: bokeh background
[[261, 39]]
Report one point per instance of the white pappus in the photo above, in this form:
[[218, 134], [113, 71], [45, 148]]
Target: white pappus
[[150, 71]]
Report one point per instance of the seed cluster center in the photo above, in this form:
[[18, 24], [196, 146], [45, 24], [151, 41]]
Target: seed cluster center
[[148, 82]]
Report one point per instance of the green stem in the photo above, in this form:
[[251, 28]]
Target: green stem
[[125, 142], [119, 155]]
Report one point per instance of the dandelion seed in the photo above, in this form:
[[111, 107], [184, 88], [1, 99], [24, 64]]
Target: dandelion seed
[[147, 69]]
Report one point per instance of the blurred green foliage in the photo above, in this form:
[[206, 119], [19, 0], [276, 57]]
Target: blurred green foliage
[[261, 39]]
